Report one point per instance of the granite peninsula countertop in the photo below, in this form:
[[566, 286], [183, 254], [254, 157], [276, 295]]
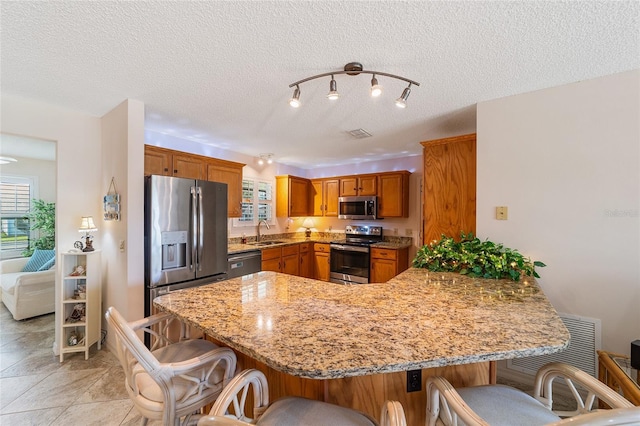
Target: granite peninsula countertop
[[419, 319]]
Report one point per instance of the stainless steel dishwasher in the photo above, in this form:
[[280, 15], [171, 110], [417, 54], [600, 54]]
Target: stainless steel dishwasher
[[239, 264]]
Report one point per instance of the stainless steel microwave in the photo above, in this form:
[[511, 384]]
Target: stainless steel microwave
[[358, 208]]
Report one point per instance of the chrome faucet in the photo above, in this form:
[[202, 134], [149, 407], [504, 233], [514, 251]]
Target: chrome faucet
[[258, 228]]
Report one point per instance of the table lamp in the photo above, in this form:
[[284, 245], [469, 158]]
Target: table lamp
[[308, 223], [87, 226]]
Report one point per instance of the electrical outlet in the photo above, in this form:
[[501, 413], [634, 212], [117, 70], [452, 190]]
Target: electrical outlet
[[414, 380], [395, 231], [408, 232], [122, 245]]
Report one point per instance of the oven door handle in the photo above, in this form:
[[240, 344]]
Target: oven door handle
[[349, 248]]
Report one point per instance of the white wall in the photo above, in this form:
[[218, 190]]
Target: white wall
[[77, 138], [565, 161], [123, 161]]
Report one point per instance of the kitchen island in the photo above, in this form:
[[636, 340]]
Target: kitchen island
[[351, 345]]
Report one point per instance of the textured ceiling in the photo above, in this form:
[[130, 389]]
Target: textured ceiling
[[218, 72]]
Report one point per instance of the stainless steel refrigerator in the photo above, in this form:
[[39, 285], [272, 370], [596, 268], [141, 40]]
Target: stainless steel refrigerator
[[185, 234]]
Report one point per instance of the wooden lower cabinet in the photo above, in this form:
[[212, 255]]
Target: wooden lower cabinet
[[305, 268], [387, 263], [368, 393], [321, 261], [290, 260], [281, 259], [271, 259]]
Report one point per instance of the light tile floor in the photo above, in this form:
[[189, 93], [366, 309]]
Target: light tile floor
[[37, 389]]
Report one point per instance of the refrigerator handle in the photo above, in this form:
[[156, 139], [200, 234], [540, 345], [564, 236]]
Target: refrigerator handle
[[200, 227], [194, 227]]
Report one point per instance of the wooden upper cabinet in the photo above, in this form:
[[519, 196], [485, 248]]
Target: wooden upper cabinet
[[324, 197], [157, 161], [292, 196], [393, 194], [449, 187], [231, 174], [358, 185], [167, 162], [189, 166]]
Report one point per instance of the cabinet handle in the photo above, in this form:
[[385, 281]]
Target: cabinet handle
[[175, 171], [166, 169]]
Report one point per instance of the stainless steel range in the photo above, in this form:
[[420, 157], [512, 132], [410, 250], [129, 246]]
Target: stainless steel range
[[350, 259]]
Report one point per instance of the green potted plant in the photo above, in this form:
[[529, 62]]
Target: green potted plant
[[476, 258], [43, 219]]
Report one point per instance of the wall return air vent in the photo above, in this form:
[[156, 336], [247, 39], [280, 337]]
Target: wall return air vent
[[586, 336]]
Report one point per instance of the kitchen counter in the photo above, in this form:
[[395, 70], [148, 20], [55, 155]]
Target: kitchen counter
[[241, 248], [321, 330], [351, 345]]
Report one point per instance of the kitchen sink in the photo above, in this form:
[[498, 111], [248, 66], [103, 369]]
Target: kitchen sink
[[265, 243]]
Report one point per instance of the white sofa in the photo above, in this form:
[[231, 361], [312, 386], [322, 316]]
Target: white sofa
[[27, 294]]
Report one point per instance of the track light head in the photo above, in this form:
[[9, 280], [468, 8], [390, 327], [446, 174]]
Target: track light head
[[268, 158], [295, 99], [333, 90], [376, 89], [401, 102]]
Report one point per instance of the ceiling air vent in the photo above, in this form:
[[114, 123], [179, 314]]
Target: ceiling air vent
[[359, 133]]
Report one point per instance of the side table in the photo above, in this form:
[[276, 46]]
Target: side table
[[615, 371]]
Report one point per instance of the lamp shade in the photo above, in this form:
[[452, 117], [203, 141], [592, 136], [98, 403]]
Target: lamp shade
[[87, 224], [308, 223]]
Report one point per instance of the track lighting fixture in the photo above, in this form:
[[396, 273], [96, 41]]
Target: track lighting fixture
[[401, 102], [353, 68], [295, 99], [333, 90], [262, 158], [376, 89]]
